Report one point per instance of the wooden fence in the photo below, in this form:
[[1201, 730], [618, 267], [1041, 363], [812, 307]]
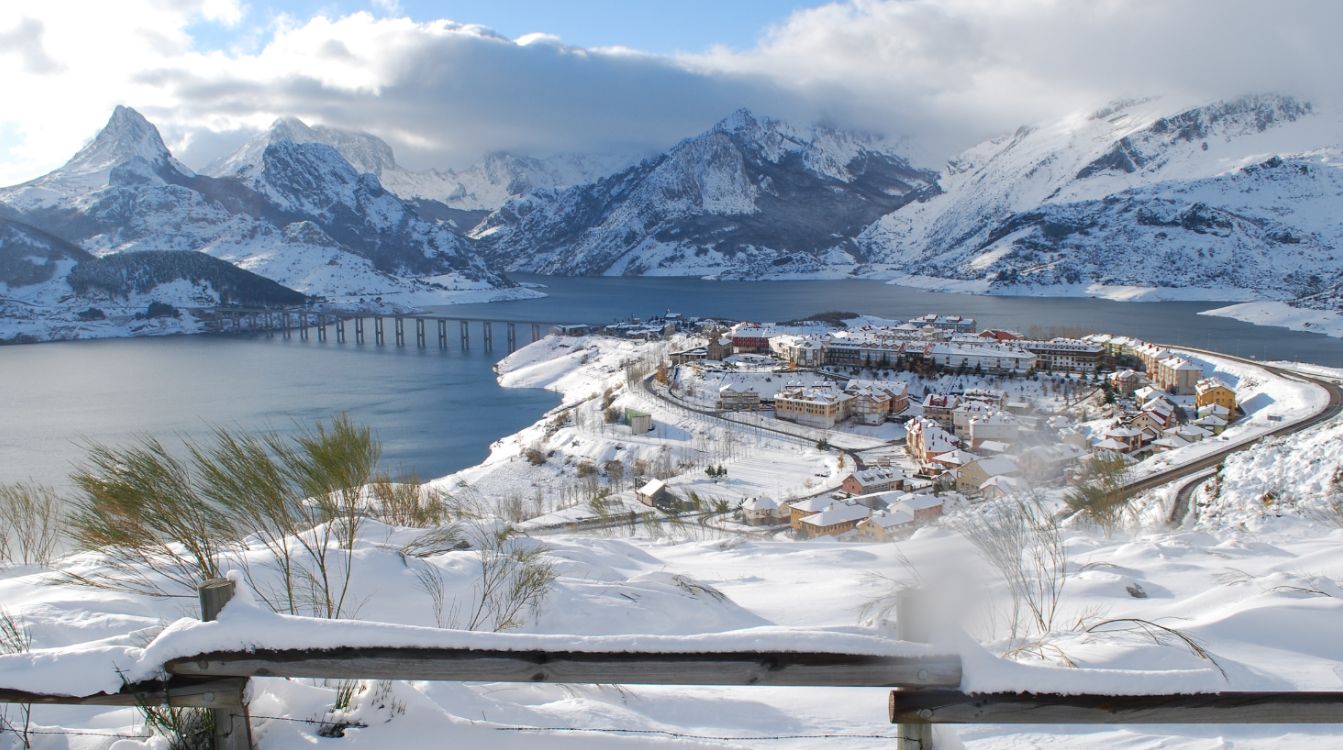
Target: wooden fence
[[926, 686]]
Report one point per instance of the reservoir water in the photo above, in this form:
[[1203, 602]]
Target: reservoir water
[[437, 412]]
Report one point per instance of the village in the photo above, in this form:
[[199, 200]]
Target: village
[[965, 415]]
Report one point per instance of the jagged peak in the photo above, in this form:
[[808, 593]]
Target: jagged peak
[[289, 128], [127, 135], [365, 151], [743, 120]]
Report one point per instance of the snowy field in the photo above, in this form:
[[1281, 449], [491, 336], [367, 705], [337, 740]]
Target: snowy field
[[1246, 596]]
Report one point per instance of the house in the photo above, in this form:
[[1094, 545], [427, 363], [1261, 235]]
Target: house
[[922, 507], [990, 396], [1189, 432], [1212, 423], [803, 508], [876, 479], [1129, 437], [654, 494], [976, 473], [954, 460], [939, 407], [799, 351], [833, 521], [760, 511], [733, 398], [1124, 382], [1168, 443], [1002, 486], [1211, 391], [968, 410], [993, 428], [871, 405], [925, 440], [1177, 375], [814, 406], [1215, 410], [876, 400], [886, 525]]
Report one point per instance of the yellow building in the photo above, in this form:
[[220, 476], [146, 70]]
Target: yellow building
[[1213, 391]]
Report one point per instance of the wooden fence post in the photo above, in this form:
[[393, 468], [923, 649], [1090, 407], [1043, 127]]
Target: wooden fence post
[[232, 727], [912, 625]]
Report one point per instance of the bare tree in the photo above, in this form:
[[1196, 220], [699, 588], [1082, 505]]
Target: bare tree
[[30, 523], [1022, 541]]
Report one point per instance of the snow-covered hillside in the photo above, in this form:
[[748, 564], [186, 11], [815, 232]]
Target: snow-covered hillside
[[298, 213], [1235, 199], [749, 198]]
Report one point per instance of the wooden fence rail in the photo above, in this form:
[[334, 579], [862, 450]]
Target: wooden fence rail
[[926, 693]]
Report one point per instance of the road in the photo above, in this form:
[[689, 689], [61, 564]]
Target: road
[[1330, 410]]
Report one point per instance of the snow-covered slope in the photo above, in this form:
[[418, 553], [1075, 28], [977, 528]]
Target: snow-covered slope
[[298, 213], [1234, 197], [500, 177], [748, 198], [50, 288]]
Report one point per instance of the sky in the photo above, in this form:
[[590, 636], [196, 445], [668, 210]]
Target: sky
[[445, 82]]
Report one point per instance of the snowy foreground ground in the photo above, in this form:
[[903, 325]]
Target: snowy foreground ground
[[1253, 579]]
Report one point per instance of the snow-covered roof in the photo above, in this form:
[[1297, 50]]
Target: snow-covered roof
[[918, 502], [837, 514], [1003, 482], [890, 518], [1110, 444], [759, 504], [995, 465], [956, 458], [653, 487], [813, 505]]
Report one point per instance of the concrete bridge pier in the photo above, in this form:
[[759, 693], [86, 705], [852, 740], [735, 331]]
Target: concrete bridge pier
[[442, 333], [488, 335], [400, 323], [512, 338], [378, 336], [466, 335], [321, 327], [303, 326], [419, 332], [536, 332], [358, 330], [284, 325]]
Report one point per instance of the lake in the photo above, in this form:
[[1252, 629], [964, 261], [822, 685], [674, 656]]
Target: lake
[[437, 412]]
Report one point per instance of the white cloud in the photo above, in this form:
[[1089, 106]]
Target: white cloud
[[946, 73]]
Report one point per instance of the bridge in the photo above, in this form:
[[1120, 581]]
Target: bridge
[[305, 322]]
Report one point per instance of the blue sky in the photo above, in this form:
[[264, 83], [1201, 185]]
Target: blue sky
[[656, 26]]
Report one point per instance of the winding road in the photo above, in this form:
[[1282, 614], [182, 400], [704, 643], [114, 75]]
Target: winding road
[[1181, 506]]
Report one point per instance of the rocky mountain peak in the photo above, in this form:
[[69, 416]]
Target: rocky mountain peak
[[126, 136]]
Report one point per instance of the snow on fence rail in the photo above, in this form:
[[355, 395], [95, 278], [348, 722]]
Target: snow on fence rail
[[206, 664]]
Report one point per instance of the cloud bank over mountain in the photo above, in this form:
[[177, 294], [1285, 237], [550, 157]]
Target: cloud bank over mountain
[[942, 74]]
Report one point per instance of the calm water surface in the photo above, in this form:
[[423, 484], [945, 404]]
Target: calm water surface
[[437, 412]]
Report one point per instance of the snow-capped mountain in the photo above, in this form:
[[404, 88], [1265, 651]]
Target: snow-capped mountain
[[501, 177], [748, 198], [1234, 198], [299, 214], [480, 188]]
